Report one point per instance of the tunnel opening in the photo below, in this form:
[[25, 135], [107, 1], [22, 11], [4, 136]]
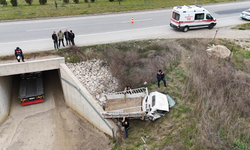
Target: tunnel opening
[[52, 94], [66, 101], [51, 124]]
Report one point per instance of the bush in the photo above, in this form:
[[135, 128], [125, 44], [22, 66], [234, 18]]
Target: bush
[[133, 66], [76, 1], [66, 1], [13, 2], [111, 0], [42, 2], [92, 0], [3, 2], [28, 2], [74, 55]]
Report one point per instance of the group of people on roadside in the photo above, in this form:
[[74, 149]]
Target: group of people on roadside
[[58, 38]]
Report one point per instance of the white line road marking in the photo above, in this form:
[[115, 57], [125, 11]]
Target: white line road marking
[[45, 29], [94, 34], [137, 20]]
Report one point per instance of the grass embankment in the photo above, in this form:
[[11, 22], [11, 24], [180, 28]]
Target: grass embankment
[[212, 94], [24, 11], [245, 26]]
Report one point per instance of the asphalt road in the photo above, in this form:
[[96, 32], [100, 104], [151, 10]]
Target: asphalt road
[[35, 35]]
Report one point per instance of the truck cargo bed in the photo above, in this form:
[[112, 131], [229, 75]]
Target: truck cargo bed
[[31, 87], [126, 104]]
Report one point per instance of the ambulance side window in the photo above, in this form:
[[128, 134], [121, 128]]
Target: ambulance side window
[[176, 16], [209, 17], [199, 16]]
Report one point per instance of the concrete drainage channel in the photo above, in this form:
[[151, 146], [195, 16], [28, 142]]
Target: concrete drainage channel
[[73, 92]]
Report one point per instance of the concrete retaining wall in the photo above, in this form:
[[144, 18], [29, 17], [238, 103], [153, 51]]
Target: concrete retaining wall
[[79, 99], [31, 66], [5, 96]]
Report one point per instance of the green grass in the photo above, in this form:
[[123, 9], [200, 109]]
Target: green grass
[[239, 145], [24, 11], [245, 26]]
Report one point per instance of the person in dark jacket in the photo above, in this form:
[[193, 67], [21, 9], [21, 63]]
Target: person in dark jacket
[[160, 76], [55, 40], [67, 37], [18, 54], [72, 37], [125, 124]]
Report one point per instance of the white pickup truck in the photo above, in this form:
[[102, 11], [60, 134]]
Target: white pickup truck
[[137, 103]]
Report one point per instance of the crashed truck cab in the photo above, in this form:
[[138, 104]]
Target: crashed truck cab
[[155, 105], [137, 104]]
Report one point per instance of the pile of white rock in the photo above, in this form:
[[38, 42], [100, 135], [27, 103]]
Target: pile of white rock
[[96, 76], [219, 51]]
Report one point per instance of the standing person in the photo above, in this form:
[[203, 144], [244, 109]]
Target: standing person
[[72, 37], [67, 37], [18, 54], [125, 124], [60, 36], [127, 90], [55, 40], [160, 76]]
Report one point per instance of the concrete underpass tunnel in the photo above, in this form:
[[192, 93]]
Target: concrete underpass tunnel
[[60, 86], [10, 102]]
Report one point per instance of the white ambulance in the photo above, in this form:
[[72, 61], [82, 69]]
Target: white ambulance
[[193, 16]]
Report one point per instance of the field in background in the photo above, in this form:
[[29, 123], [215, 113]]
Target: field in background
[[24, 11]]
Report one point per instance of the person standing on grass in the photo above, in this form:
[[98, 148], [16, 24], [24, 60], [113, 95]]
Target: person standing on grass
[[125, 124], [160, 76], [60, 36], [72, 37], [66, 35], [55, 40]]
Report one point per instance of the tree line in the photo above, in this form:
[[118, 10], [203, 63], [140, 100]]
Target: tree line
[[43, 2]]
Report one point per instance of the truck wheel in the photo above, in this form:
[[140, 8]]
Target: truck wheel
[[185, 29], [211, 26]]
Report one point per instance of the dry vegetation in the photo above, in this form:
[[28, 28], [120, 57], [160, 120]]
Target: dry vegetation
[[137, 62], [221, 101], [212, 93]]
